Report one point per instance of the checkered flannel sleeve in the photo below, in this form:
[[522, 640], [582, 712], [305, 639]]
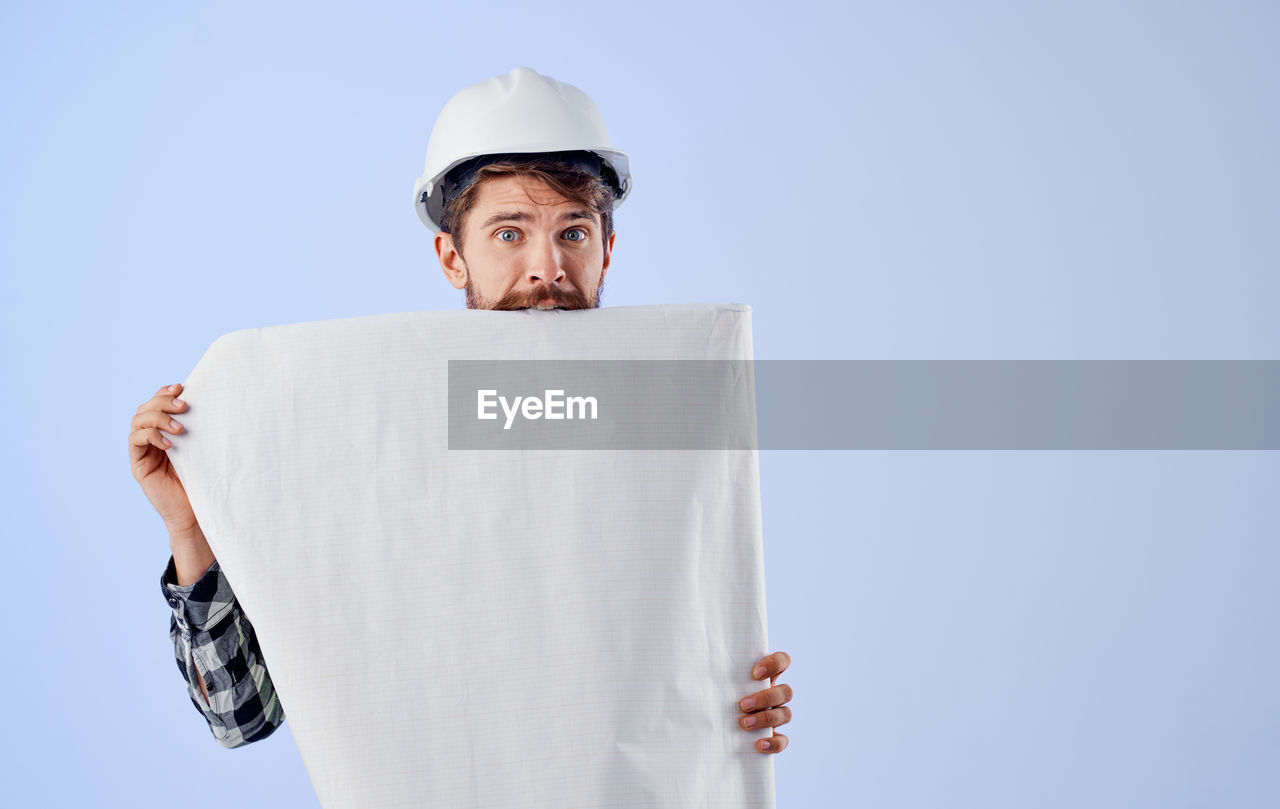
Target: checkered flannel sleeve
[[212, 635]]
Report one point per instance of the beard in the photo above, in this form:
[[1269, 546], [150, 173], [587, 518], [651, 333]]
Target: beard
[[559, 296]]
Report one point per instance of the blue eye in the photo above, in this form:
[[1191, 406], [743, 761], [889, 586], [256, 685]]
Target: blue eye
[[577, 230], [502, 234]]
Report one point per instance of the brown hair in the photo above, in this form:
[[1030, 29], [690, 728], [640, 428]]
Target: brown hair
[[570, 182]]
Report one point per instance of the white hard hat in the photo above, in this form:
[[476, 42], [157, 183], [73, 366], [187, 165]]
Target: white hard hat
[[523, 112]]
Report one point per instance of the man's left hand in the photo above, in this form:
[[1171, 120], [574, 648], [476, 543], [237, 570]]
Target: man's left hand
[[767, 708]]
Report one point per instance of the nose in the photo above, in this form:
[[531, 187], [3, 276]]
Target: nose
[[546, 262]]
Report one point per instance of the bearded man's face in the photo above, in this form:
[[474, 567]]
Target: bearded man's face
[[527, 247]]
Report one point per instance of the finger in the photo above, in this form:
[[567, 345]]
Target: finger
[[771, 665], [158, 419], [148, 436], [774, 744], [768, 698], [171, 404], [162, 403], [766, 719], [165, 398]]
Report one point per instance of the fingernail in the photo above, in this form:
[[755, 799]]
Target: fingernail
[[750, 722], [166, 441], [764, 745], [178, 402], [174, 425], [748, 703], [758, 673], [173, 387]]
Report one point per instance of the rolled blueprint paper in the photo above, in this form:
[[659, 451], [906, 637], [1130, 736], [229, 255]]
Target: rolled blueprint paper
[[484, 628]]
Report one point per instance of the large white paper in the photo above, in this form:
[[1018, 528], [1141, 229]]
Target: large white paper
[[452, 628]]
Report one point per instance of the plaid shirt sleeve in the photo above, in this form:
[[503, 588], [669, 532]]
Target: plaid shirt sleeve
[[211, 634]]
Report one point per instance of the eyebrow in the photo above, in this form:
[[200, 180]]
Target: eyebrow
[[521, 216]]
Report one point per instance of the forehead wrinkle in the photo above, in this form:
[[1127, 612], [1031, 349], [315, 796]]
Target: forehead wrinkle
[[522, 216]]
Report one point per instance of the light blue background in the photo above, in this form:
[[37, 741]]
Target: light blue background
[[914, 180]]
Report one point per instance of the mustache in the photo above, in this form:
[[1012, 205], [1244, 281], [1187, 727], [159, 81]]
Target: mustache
[[568, 298]]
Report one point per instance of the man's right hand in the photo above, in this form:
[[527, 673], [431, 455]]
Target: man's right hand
[[150, 462]]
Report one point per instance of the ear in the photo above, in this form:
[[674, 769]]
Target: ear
[[608, 252], [455, 269]]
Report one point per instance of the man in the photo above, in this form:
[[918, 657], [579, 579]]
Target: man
[[520, 187]]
